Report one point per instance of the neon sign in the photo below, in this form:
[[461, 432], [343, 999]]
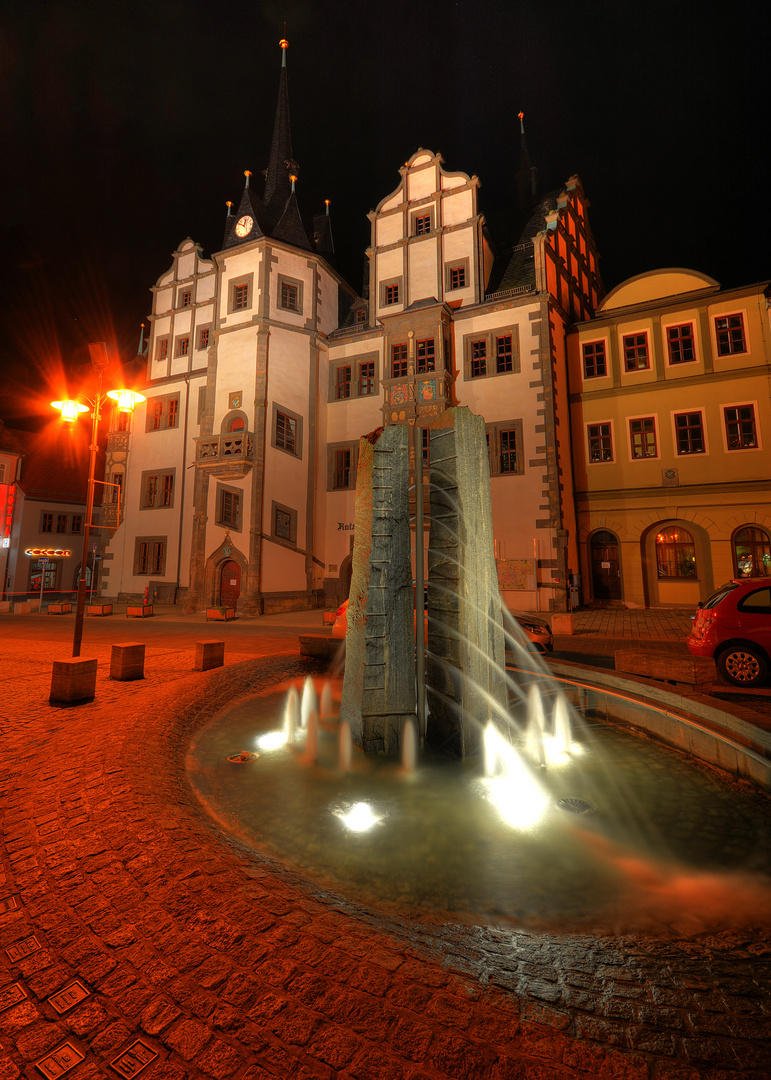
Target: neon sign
[[48, 552]]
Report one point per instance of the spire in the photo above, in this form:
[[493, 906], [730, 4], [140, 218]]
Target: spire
[[290, 228], [280, 163], [248, 221], [322, 234], [527, 174]]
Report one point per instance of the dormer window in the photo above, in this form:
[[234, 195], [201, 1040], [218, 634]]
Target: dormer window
[[361, 315]]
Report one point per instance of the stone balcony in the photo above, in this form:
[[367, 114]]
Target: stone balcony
[[227, 456]]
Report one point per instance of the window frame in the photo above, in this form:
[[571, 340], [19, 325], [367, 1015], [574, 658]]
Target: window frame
[[282, 410], [152, 543], [332, 450], [676, 546], [636, 346], [61, 524], [753, 543], [204, 344], [229, 521], [163, 413], [656, 440], [185, 296], [417, 228], [356, 364], [610, 435], [243, 280], [403, 360], [182, 346], [157, 482], [671, 343], [462, 266], [490, 338], [675, 442], [753, 406], [162, 349], [387, 284], [598, 343], [46, 521], [429, 356], [726, 346], [279, 508], [343, 385], [283, 281], [494, 431]]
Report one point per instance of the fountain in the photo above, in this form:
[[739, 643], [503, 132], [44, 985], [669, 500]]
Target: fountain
[[562, 817]]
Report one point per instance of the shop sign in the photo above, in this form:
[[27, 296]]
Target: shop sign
[[36, 553]]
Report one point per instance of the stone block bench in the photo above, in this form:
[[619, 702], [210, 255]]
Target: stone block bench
[[696, 671]]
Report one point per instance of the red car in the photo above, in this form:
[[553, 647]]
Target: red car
[[734, 626]]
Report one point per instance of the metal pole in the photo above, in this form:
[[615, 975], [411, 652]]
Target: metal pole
[[420, 620], [81, 601]]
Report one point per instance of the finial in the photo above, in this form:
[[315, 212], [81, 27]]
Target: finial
[[141, 348], [247, 174], [326, 203], [229, 205], [293, 178], [284, 46], [521, 116]]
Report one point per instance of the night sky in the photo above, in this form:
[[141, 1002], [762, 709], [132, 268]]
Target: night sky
[[126, 127]]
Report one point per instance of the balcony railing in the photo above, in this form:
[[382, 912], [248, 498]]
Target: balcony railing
[[232, 450]]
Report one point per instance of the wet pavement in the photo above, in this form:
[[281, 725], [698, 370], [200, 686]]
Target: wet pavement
[[137, 939]]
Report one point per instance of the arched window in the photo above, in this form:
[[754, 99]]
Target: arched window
[[752, 552], [236, 424], [675, 553]]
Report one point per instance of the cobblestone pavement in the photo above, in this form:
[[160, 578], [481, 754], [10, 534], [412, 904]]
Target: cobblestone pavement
[[132, 931]]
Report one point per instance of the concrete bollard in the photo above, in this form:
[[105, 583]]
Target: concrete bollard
[[73, 681], [127, 661], [561, 623], [209, 654]]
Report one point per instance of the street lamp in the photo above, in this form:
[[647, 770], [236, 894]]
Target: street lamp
[[70, 411]]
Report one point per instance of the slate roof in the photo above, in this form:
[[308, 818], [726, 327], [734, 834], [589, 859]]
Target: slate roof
[[515, 268]]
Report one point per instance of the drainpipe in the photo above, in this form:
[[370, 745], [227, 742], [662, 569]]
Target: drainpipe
[[182, 492]]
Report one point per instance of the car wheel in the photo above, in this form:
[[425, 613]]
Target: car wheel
[[741, 665]]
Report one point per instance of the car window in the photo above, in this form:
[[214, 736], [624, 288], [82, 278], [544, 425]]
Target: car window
[[721, 594], [758, 601]]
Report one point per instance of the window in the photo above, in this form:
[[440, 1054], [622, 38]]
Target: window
[[729, 330], [426, 356], [504, 444], [343, 387], [600, 442], [636, 356], [367, 378], [342, 461], [675, 553], [284, 524], [162, 348], [342, 469], [740, 427], [456, 277], [77, 524], [183, 346], [186, 298], [150, 555], [241, 297], [287, 431], [425, 436], [162, 412], [123, 421], [389, 292], [117, 490], [503, 354], [681, 345], [478, 358], [290, 294], [228, 507], [203, 338], [689, 433], [157, 489], [595, 364], [642, 438], [61, 523], [201, 403], [47, 523], [752, 552], [398, 361], [361, 315]]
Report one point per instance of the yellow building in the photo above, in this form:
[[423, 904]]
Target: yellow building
[[671, 424]]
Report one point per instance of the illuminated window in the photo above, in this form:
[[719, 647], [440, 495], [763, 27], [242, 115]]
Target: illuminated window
[[675, 553], [183, 346], [422, 224], [367, 378], [61, 523], [47, 523], [595, 364], [504, 360], [740, 427], [600, 442], [241, 297], [391, 294], [203, 338], [426, 355], [730, 335], [343, 387], [689, 433], [636, 352], [478, 358], [681, 345], [752, 552], [398, 361], [642, 438], [457, 277]]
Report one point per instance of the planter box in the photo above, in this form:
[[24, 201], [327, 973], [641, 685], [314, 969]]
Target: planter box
[[99, 609], [59, 609], [139, 611], [214, 614]]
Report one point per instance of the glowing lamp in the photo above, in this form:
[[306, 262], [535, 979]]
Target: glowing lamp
[[126, 399], [70, 410], [284, 43]]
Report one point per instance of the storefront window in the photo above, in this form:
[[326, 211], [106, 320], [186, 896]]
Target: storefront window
[[752, 552], [36, 572], [675, 553]]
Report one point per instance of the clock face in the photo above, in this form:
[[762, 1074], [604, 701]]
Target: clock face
[[244, 225]]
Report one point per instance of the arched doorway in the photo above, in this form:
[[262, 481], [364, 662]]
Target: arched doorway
[[606, 571], [230, 583]]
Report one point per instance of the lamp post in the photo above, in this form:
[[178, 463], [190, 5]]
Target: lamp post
[[70, 411]]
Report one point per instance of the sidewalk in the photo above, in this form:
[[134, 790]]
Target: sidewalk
[[135, 938]]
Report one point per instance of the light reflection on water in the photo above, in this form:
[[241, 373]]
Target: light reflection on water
[[447, 839]]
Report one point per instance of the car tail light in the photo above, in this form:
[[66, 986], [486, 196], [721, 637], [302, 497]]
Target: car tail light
[[340, 610]]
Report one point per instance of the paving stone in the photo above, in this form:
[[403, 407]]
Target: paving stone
[[188, 1037]]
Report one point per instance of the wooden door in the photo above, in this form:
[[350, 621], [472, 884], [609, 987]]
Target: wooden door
[[230, 583], [606, 573]]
